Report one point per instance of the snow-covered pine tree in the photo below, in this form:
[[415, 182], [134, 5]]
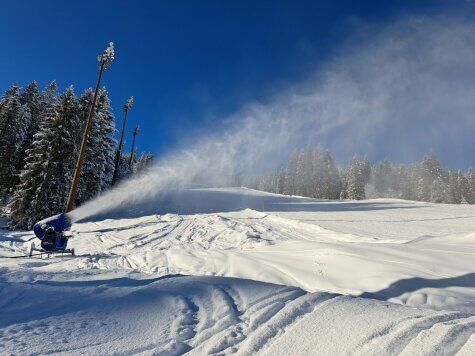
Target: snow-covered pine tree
[[300, 174], [309, 170], [332, 177], [109, 142], [132, 162], [343, 172], [318, 174], [5, 103], [290, 179], [454, 193], [366, 170], [464, 187], [430, 173], [14, 123], [356, 186], [49, 101], [98, 166], [439, 193], [413, 176], [33, 99], [125, 170], [45, 179], [387, 176], [403, 188], [144, 162], [281, 181], [469, 191], [275, 182], [378, 178]]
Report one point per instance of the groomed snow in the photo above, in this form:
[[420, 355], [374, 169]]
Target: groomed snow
[[308, 277]]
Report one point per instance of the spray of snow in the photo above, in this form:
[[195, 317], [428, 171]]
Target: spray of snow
[[402, 89]]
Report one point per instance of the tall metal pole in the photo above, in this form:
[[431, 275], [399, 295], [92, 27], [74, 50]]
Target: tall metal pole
[[134, 134], [104, 61], [118, 152]]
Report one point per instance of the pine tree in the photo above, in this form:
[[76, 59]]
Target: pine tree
[[366, 170], [356, 187], [281, 182], [49, 101], [405, 190], [378, 178], [331, 183], [300, 174], [309, 171], [430, 173], [97, 170], [125, 170], [387, 176], [44, 182], [14, 122], [438, 193], [290, 187], [144, 162], [343, 172], [34, 100], [469, 192], [108, 141], [454, 194], [318, 174]]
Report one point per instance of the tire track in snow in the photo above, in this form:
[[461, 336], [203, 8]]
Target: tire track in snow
[[234, 334], [156, 236], [396, 336], [285, 318], [444, 338], [259, 311], [230, 318]]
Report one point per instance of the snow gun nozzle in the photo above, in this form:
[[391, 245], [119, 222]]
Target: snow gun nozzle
[[59, 223]]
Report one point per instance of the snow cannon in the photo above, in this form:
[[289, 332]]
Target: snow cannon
[[51, 232]]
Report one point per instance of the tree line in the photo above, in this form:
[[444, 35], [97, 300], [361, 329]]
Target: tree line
[[314, 173], [40, 135]]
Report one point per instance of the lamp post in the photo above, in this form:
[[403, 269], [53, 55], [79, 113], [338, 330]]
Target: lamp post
[[105, 59], [127, 107], [136, 131]]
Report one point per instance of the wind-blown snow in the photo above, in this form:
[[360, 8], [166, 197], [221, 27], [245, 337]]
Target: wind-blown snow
[[297, 276], [398, 91]]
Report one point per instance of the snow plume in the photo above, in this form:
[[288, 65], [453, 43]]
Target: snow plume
[[398, 92]]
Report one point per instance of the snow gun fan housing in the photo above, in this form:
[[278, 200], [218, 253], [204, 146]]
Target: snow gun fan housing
[[51, 233]]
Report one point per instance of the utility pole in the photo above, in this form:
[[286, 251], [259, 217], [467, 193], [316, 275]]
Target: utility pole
[[136, 131], [105, 59], [127, 107]]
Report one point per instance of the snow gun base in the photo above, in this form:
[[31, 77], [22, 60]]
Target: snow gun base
[[48, 253]]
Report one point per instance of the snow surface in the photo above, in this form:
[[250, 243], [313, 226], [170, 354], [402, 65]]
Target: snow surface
[[218, 271]]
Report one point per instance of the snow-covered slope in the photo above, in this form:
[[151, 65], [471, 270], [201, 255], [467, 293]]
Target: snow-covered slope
[[104, 314], [143, 279]]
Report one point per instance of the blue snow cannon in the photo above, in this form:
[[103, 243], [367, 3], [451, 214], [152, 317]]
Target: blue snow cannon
[[51, 233]]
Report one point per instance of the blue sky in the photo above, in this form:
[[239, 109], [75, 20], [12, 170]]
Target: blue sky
[[187, 63]]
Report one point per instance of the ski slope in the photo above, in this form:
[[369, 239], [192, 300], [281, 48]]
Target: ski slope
[[222, 271]]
